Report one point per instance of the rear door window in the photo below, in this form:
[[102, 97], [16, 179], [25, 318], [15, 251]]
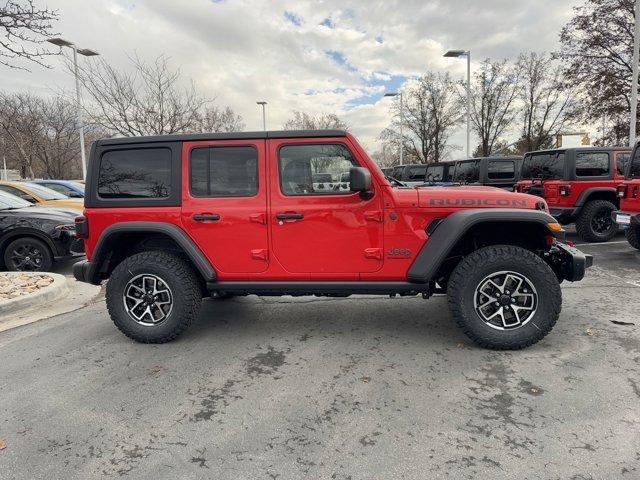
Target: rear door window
[[467, 172], [140, 173], [416, 174], [501, 170], [622, 160], [224, 171], [592, 164]]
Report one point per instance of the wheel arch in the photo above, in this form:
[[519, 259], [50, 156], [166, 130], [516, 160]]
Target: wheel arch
[[22, 232], [134, 237], [597, 193], [467, 230]]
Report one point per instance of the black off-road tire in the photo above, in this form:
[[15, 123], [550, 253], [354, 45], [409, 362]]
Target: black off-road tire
[[182, 281], [584, 223], [476, 267], [633, 236], [38, 250]]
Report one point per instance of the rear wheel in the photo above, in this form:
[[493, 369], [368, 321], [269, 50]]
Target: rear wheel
[[595, 223], [153, 297], [633, 236], [28, 255], [504, 297]]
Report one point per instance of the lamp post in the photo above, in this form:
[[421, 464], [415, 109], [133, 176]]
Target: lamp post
[[399, 95], [5, 175], [458, 54], [634, 79], [264, 115], [87, 53]]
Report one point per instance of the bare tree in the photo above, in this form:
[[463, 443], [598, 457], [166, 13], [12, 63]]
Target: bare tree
[[147, 101], [306, 121], [21, 127], [493, 94], [430, 111], [25, 27], [547, 101], [597, 51], [216, 119]]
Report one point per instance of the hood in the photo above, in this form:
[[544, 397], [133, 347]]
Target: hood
[[59, 215], [470, 196], [76, 204]]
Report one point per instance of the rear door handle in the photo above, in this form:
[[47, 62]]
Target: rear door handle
[[289, 216], [206, 217]]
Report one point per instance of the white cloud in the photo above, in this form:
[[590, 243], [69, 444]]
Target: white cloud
[[240, 51]]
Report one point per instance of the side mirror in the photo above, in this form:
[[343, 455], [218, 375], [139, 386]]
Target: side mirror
[[360, 181]]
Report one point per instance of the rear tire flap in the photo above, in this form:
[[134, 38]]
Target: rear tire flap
[[182, 281], [633, 236], [469, 274], [584, 225]]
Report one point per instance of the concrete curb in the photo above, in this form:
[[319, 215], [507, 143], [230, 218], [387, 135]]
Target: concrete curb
[[41, 296]]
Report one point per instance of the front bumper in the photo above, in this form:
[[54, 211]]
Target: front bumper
[[621, 217], [568, 262]]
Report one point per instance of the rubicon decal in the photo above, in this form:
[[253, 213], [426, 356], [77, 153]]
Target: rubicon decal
[[477, 202]]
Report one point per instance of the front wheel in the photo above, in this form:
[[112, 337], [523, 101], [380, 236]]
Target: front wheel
[[153, 296], [633, 236], [504, 297]]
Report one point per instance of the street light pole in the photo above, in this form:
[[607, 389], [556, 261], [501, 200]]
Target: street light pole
[[87, 53], [467, 54], [5, 175], [399, 95], [634, 79], [264, 115]]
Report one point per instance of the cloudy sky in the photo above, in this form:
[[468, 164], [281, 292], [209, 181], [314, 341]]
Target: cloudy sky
[[317, 56]]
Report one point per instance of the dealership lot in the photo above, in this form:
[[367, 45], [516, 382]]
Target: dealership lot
[[339, 388]]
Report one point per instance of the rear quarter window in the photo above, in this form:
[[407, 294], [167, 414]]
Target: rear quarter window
[[468, 172], [501, 170], [141, 173], [592, 164]]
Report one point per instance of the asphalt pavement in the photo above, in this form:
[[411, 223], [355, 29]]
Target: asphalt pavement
[[351, 388]]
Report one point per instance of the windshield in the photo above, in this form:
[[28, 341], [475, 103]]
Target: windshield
[[8, 201], [543, 165], [467, 172], [45, 193], [416, 174]]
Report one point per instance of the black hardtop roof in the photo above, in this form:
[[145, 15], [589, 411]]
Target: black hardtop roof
[[587, 149], [193, 137], [491, 157]]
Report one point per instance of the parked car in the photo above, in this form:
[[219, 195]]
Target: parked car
[[440, 172], [70, 188], [32, 237], [579, 184], [169, 218], [43, 196], [410, 175], [628, 216], [501, 172]]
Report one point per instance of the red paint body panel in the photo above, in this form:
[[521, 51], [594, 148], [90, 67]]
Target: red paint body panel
[[631, 202], [340, 237]]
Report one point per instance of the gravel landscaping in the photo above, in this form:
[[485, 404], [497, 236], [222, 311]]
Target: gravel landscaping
[[14, 285]]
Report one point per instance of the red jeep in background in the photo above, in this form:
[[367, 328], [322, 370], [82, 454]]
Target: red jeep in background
[[628, 216], [169, 219], [579, 184]]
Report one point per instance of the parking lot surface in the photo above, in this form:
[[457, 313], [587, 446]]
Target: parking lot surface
[[342, 388]]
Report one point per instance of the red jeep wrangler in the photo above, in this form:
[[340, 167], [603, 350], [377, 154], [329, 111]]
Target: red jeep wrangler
[[628, 216], [169, 219], [579, 184]]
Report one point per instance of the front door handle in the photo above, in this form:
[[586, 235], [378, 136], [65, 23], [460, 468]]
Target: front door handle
[[206, 217], [289, 216]]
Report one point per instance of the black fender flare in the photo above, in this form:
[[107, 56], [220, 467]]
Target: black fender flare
[[582, 199], [18, 232], [440, 243], [177, 234]]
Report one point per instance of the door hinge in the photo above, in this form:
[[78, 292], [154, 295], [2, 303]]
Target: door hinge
[[373, 215], [260, 254], [374, 253], [260, 218]]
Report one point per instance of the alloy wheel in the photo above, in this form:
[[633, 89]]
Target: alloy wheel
[[147, 299]]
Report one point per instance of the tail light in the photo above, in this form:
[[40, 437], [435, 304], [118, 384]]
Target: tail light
[[564, 190], [621, 191], [82, 227]]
